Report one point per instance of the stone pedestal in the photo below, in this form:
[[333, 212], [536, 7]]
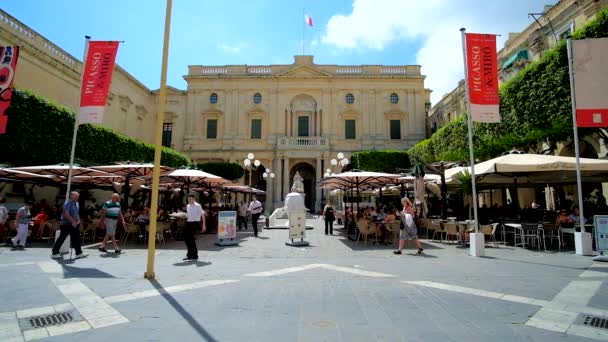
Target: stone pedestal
[[478, 247]]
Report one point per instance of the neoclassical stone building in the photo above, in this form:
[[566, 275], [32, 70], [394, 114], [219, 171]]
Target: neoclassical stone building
[[296, 117], [293, 117]]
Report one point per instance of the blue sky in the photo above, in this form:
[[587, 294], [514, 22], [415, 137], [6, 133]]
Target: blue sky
[[392, 32]]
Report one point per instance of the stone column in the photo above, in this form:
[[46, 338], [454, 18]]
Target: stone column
[[276, 168], [319, 175], [411, 111], [419, 117], [286, 170], [269, 205]]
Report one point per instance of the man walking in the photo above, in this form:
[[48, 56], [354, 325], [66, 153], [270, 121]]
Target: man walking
[[23, 220], [69, 225], [255, 207], [194, 222], [110, 214], [242, 216]]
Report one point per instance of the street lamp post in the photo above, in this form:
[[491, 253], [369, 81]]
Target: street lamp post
[[269, 174], [340, 160], [250, 164]]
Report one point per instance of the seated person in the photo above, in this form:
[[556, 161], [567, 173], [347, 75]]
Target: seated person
[[575, 217], [372, 213], [381, 215], [142, 220], [563, 218], [39, 220]]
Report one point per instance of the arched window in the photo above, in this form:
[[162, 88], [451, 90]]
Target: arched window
[[213, 98], [257, 98]]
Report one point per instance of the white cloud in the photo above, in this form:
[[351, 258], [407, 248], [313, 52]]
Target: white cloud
[[375, 24], [231, 49]]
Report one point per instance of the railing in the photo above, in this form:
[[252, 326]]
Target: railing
[[303, 142], [393, 71], [349, 70], [214, 71], [259, 70], [10, 24]]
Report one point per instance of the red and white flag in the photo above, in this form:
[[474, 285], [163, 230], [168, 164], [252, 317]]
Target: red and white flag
[[482, 77], [8, 65], [96, 79], [307, 20], [589, 61]]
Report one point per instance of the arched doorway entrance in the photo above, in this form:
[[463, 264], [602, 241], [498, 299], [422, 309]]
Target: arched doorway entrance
[[307, 172]]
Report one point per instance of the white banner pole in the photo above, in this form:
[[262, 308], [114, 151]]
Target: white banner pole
[[579, 184], [470, 127], [76, 117]]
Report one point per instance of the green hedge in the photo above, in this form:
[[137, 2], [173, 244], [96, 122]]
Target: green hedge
[[230, 171], [535, 108], [40, 132], [381, 161]]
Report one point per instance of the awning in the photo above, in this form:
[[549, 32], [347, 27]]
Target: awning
[[522, 54]]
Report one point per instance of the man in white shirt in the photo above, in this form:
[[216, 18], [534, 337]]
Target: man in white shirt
[[194, 222], [255, 207]]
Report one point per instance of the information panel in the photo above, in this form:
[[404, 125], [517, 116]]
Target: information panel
[[226, 226], [297, 225], [601, 232]]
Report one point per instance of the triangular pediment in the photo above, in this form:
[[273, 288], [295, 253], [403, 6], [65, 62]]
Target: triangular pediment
[[303, 71]]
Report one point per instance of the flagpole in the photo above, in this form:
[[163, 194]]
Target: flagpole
[[470, 128], [158, 145], [579, 184], [76, 117], [303, 29]]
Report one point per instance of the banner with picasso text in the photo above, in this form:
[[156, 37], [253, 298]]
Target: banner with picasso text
[[8, 65], [96, 79], [482, 77]]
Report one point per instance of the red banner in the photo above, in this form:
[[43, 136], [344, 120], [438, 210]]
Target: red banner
[[590, 81], [96, 79], [482, 77], [8, 66]]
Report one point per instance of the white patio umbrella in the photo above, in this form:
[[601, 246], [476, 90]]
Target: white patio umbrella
[[193, 178]]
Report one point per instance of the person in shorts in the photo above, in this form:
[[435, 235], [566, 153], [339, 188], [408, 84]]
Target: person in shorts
[[110, 214], [408, 227]]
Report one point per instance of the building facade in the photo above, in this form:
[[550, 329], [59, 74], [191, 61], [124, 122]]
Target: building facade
[[293, 117], [49, 71], [554, 24], [297, 117], [451, 107]]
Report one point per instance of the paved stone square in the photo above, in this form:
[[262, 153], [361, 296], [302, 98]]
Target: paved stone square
[[333, 290]]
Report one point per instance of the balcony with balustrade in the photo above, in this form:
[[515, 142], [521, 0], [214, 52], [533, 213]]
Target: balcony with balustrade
[[316, 143]]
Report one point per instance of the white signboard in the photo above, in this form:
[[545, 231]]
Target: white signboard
[[297, 225], [601, 232], [226, 225]]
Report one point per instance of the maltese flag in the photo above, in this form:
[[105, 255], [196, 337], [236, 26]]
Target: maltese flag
[[307, 19]]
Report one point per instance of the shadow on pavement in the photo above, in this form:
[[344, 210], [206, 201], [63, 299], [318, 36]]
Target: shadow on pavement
[[204, 334], [192, 262], [77, 272]]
